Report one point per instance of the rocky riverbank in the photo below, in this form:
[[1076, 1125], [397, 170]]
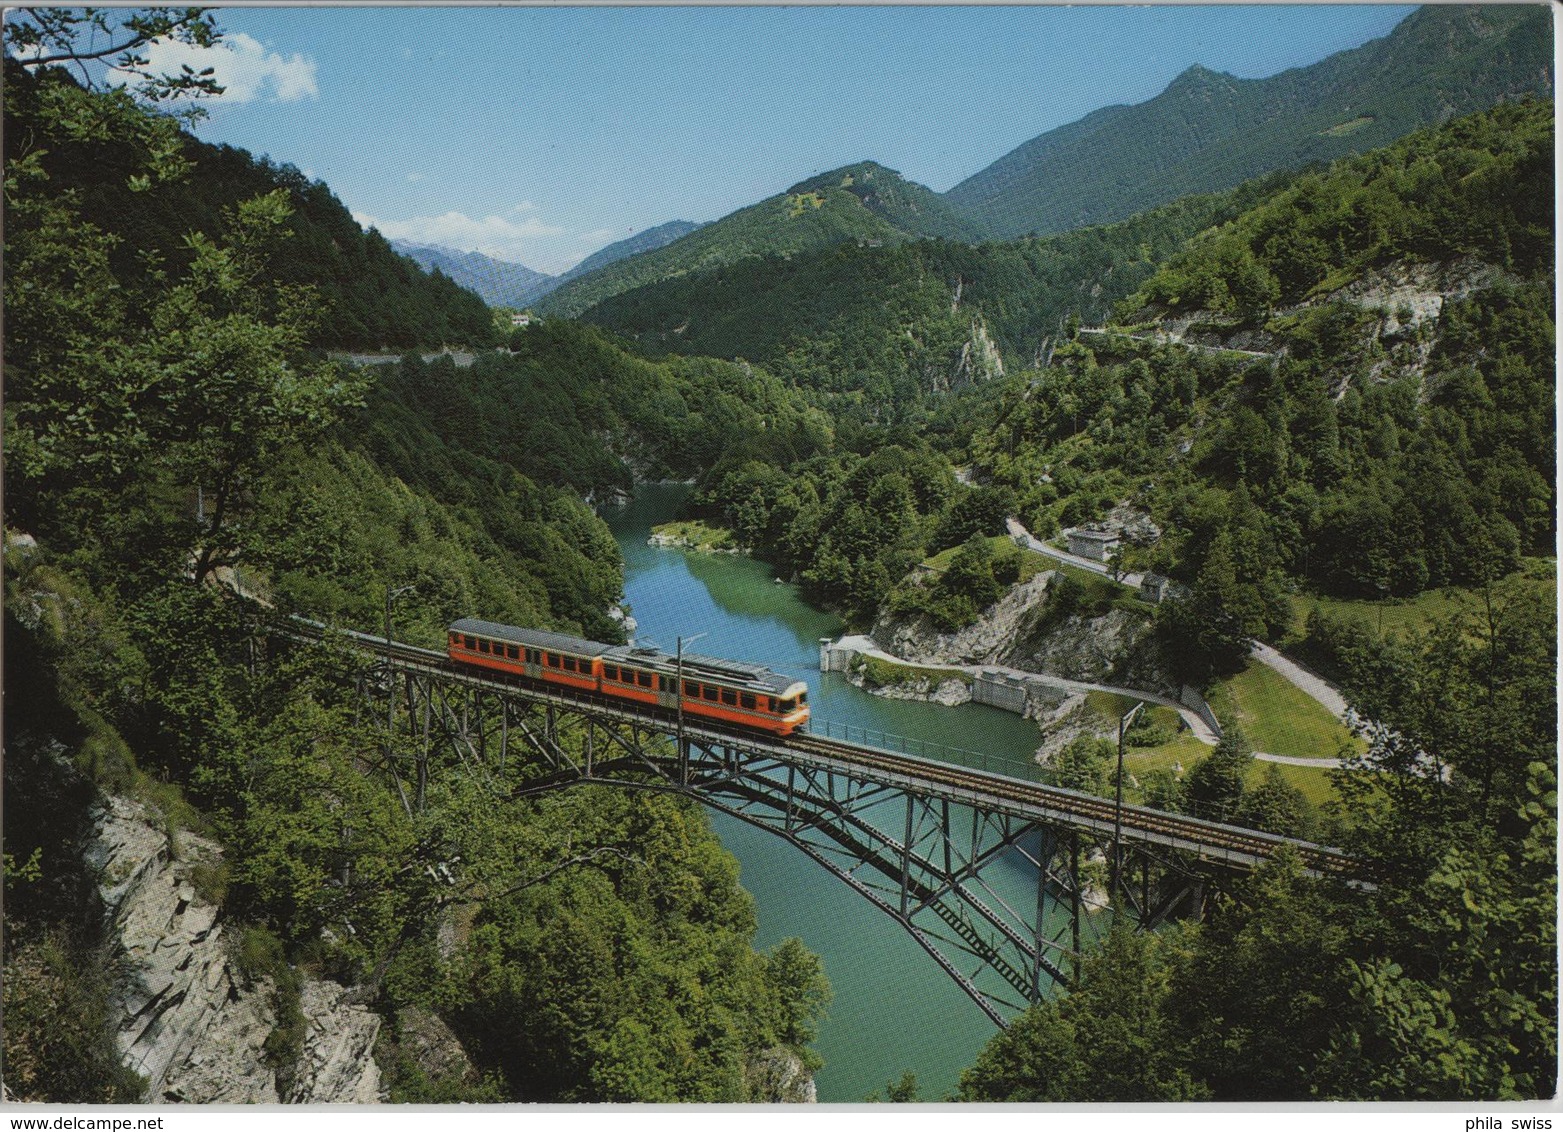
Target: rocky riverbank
[[899, 682]]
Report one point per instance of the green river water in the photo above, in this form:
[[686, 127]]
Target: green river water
[[894, 1009]]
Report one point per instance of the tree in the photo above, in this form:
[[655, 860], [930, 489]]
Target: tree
[[198, 385], [1276, 806], [44, 37], [801, 992], [1110, 1038], [1258, 998], [1085, 764], [234, 385], [978, 511], [970, 574], [1215, 785], [1164, 790]]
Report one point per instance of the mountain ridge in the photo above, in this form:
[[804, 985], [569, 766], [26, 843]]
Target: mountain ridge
[[1436, 64], [863, 201]]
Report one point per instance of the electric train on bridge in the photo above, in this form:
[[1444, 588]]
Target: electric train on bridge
[[749, 695]]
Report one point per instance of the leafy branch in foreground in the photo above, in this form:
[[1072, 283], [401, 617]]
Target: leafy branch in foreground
[[118, 40]]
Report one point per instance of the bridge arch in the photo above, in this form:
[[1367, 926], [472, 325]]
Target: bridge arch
[[993, 877]]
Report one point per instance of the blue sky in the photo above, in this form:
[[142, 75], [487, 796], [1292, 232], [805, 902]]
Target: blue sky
[[539, 135]]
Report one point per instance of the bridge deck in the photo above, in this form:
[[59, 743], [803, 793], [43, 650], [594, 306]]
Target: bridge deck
[[1212, 841]]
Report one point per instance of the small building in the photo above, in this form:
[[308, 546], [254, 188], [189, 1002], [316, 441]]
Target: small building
[[1156, 589], [1095, 545], [520, 320]]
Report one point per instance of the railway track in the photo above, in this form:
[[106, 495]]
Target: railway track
[[1101, 813], [1243, 848]]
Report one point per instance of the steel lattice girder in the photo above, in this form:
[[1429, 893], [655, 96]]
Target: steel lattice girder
[[929, 874]]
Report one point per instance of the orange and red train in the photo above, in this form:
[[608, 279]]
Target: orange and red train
[[749, 695]]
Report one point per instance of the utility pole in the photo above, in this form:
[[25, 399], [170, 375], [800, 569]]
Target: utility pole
[[683, 751], [390, 596], [1123, 727], [390, 680]]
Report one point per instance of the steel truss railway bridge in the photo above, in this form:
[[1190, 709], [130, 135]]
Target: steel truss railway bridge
[[1001, 880]]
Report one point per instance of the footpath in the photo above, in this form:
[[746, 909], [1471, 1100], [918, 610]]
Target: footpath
[[1031, 542]]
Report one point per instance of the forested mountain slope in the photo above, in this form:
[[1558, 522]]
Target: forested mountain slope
[[366, 296], [1209, 131], [173, 436], [647, 241], [888, 323], [1401, 367], [864, 202]]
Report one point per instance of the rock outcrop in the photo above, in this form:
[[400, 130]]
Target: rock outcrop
[[984, 642], [337, 1065], [1016, 632], [778, 1076], [190, 1022], [929, 687]]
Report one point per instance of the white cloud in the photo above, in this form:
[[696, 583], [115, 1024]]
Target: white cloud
[[597, 235], [495, 236], [242, 66]]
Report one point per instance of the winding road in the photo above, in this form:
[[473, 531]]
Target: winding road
[[1316, 688]]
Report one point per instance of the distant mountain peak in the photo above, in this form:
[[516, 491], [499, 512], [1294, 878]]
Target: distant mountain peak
[[498, 282], [849, 176], [1199, 76]]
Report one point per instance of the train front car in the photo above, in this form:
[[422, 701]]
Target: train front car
[[750, 695], [731, 692], [794, 707]]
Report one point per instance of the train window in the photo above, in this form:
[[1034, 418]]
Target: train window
[[455, 640], [553, 660], [691, 689], [533, 656], [643, 679], [730, 698], [470, 642], [665, 683], [786, 705], [708, 693], [483, 646], [803, 697], [610, 672], [513, 652], [746, 699], [569, 664]]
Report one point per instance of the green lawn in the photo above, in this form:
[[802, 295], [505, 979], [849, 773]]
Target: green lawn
[[697, 535], [1278, 717], [1185, 751], [1405, 615], [1034, 562]]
